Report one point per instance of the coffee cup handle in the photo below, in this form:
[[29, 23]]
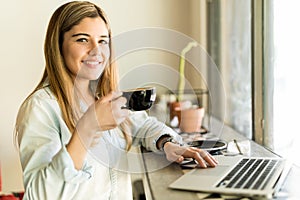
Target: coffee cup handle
[[125, 107]]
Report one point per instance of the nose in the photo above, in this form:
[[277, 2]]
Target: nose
[[96, 50]]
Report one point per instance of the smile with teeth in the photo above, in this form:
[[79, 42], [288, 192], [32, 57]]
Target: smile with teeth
[[88, 62]]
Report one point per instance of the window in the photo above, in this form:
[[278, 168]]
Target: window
[[229, 44], [286, 78], [261, 93]]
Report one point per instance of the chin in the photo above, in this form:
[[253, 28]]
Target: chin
[[92, 75]]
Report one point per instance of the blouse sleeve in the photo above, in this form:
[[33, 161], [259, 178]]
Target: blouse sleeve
[[147, 130], [47, 167]]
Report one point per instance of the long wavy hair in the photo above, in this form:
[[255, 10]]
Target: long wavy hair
[[56, 73]]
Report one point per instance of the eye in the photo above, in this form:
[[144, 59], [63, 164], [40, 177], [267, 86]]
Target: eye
[[103, 42], [82, 40]]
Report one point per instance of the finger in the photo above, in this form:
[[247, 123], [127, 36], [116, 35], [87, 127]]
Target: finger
[[119, 114], [118, 102], [119, 120], [117, 95], [123, 113], [174, 157], [203, 153], [208, 158], [117, 107], [200, 160], [198, 154], [111, 96], [195, 154], [180, 159], [201, 156], [213, 159]]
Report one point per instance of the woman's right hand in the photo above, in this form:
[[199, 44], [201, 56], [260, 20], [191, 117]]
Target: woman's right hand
[[109, 112], [105, 114]]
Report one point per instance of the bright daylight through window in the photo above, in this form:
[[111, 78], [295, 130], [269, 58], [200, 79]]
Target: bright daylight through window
[[287, 80]]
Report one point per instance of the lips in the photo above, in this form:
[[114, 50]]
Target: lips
[[92, 63]]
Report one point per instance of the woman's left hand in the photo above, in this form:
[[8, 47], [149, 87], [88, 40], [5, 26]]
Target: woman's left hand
[[177, 153]]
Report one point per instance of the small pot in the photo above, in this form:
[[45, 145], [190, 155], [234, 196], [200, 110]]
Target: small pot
[[176, 107], [190, 120]]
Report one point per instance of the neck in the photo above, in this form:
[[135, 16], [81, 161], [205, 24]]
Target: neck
[[84, 93]]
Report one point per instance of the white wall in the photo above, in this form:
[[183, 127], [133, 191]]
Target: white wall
[[23, 26]]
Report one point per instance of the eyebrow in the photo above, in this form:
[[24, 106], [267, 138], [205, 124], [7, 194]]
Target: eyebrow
[[85, 34]]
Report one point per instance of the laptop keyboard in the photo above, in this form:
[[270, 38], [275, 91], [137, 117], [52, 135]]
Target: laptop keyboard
[[250, 173]]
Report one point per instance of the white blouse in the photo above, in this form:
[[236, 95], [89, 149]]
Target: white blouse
[[48, 170]]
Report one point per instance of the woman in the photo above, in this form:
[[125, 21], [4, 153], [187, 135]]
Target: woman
[[72, 133]]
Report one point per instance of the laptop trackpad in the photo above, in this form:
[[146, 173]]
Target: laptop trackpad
[[216, 171], [200, 178]]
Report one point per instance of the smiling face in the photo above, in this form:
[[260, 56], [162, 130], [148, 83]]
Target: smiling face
[[85, 48]]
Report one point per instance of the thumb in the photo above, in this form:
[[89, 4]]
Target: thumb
[[180, 159], [111, 96]]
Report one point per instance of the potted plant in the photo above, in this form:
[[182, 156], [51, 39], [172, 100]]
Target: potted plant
[[182, 113], [181, 83]]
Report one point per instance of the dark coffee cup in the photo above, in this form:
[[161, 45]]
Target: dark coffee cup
[[139, 98]]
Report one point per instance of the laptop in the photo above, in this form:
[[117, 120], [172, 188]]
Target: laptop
[[237, 175]]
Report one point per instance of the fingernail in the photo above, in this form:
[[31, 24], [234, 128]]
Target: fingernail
[[204, 166]]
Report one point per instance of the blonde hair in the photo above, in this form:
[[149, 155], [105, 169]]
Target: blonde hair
[[56, 72]]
